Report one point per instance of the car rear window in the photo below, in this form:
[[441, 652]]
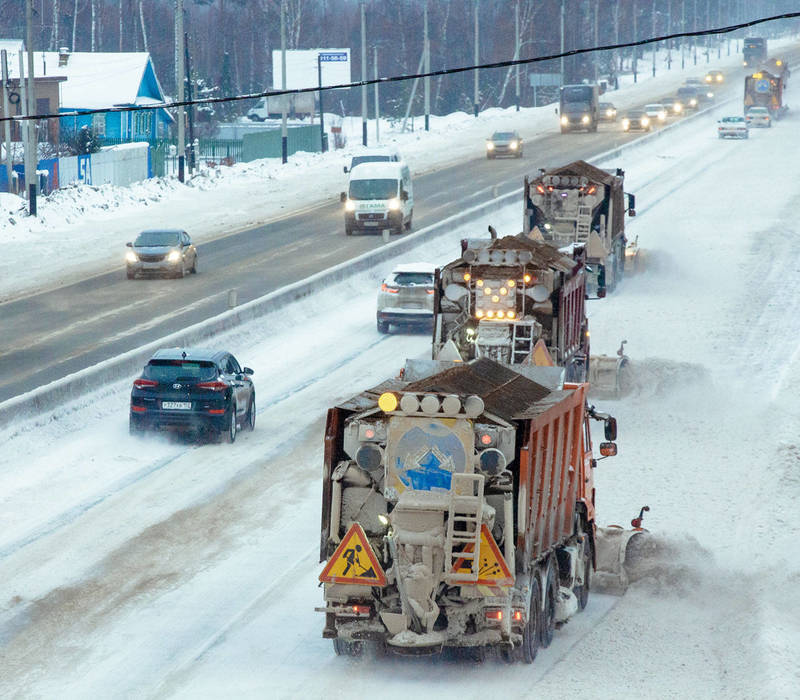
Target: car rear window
[[407, 279], [157, 238], [183, 370]]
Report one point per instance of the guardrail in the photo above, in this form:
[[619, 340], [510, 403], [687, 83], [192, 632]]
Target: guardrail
[[80, 383]]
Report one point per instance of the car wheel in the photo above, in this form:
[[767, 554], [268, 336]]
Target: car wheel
[[383, 326], [250, 422], [131, 274], [193, 269], [408, 223], [348, 231], [230, 432]]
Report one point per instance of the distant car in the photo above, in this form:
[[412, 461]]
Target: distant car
[[375, 155], [636, 119], [732, 127], [607, 112], [161, 251], [504, 143], [676, 106], [758, 117], [714, 77], [656, 111], [406, 297], [688, 96], [193, 389]]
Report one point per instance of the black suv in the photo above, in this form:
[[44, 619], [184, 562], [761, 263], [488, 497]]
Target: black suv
[[193, 389]]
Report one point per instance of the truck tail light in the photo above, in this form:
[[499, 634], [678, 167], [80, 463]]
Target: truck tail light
[[496, 615], [518, 616]]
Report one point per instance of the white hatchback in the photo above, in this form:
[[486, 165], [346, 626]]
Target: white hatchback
[[406, 297], [656, 111]]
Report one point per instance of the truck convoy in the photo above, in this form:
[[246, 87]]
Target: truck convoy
[[458, 510], [579, 204], [579, 106], [764, 89], [514, 300], [754, 51]]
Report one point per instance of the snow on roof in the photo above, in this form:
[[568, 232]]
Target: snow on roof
[[94, 80], [369, 171], [415, 267]]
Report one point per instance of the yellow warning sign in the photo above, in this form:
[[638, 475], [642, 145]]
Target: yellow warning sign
[[354, 561], [541, 356], [492, 568]]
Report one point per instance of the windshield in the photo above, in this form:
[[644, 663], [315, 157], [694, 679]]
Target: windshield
[[180, 370], [407, 279], [577, 93], [687, 92], [373, 189], [157, 238], [503, 136], [369, 159]]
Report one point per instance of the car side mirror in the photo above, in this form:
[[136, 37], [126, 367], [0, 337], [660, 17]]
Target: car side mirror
[[611, 428], [247, 370], [129, 244], [631, 212], [404, 195], [343, 197], [601, 293], [345, 169]]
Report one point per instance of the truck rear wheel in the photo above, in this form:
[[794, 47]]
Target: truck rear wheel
[[549, 610], [530, 633], [582, 591]]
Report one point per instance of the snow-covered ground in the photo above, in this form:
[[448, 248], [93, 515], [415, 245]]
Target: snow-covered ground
[[83, 230], [156, 568]]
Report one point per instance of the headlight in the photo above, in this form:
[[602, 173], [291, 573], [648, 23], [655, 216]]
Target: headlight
[[394, 204], [174, 256], [719, 78], [645, 121], [609, 113], [709, 95], [489, 146], [708, 78], [677, 107], [585, 119], [662, 116], [565, 120], [626, 123], [130, 256], [349, 205], [513, 145], [693, 102]]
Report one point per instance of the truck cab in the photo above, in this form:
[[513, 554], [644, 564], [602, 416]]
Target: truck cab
[[579, 108], [379, 196]]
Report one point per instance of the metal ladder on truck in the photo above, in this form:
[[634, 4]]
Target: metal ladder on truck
[[464, 517], [521, 341], [584, 224]]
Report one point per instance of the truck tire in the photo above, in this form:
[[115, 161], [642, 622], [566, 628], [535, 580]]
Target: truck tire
[[582, 591], [530, 633], [548, 626], [383, 327]]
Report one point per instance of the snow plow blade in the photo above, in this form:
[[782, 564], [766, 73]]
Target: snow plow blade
[[634, 258], [615, 554], [608, 374]]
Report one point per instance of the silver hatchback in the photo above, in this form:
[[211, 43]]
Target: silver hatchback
[[158, 252], [406, 297]]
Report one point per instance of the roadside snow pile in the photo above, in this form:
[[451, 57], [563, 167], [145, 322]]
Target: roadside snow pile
[[12, 208]]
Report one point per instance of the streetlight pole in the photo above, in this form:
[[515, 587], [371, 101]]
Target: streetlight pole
[[516, 52], [284, 98], [561, 62], [477, 60], [377, 100], [180, 69], [683, 38], [32, 160], [426, 47], [655, 43], [363, 72], [635, 36]]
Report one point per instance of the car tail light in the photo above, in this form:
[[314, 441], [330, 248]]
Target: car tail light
[[216, 411], [144, 383], [430, 291], [138, 409], [213, 386], [390, 290]]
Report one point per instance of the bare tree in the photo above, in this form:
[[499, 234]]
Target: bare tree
[[144, 28], [54, 27]]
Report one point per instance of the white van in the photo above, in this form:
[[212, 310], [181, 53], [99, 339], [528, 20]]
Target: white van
[[380, 196], [375, 155]]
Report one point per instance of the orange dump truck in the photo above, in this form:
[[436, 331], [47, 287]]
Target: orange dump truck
[[458, 510]]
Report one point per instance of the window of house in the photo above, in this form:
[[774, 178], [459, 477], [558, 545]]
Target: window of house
[[141, 124], [99, 124]]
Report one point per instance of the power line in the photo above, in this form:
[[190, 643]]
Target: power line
[[399, 78]]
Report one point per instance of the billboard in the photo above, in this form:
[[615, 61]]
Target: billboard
[[301, 68]]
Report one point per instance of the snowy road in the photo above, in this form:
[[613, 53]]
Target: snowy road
[[158, 568]]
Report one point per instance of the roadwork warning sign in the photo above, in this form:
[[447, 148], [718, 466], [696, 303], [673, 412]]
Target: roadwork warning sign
[[354, 561], [492, 567]]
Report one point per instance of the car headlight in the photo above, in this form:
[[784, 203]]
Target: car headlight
[[609, 113], [719, 78], [709, 95], [626, 123], [693, 102], [131, 257], [708, 78], [662, 116], [174, 256], [394, 204], [513, 145], [585, 119], [565, 120], [677, 107], [645, 121], [349, 205], [489, 146]]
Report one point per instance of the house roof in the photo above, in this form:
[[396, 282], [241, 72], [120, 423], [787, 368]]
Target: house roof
[[94, 80]]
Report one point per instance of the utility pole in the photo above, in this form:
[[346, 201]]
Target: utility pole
[[321, 112], [476, 83], [516, 51], [694, 29], [683, 38], [562, 43], [655, 43], [426, 48], [284, 98], [190, 96], [363, 73], [377, 100], [32, 160], [180, 69], [708, 26], [596, 39], [635, 37], [669, 31], [6, 114]]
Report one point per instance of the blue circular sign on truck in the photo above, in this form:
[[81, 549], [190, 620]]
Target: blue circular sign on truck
[[762, 85]]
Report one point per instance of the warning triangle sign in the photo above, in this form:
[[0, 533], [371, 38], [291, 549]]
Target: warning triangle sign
[[354, 561], [541, 356], [492, 568]]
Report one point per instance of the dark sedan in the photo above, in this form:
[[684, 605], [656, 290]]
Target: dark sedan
[[193, 389], [163, 251], [636, 119]]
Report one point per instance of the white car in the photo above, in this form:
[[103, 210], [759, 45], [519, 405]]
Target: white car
[[732, 127], [656, 111], [759, 116], [379, 154], [406, 297]]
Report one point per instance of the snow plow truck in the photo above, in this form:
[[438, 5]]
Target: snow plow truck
[[458, 510], [765, 89], [580, 205]]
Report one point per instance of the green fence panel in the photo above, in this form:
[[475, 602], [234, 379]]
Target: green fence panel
[[267, 144]]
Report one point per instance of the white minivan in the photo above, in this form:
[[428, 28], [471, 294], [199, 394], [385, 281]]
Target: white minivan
[[380, 196]]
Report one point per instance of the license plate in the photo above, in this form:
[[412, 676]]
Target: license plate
[[177, 405], [372, 223]]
